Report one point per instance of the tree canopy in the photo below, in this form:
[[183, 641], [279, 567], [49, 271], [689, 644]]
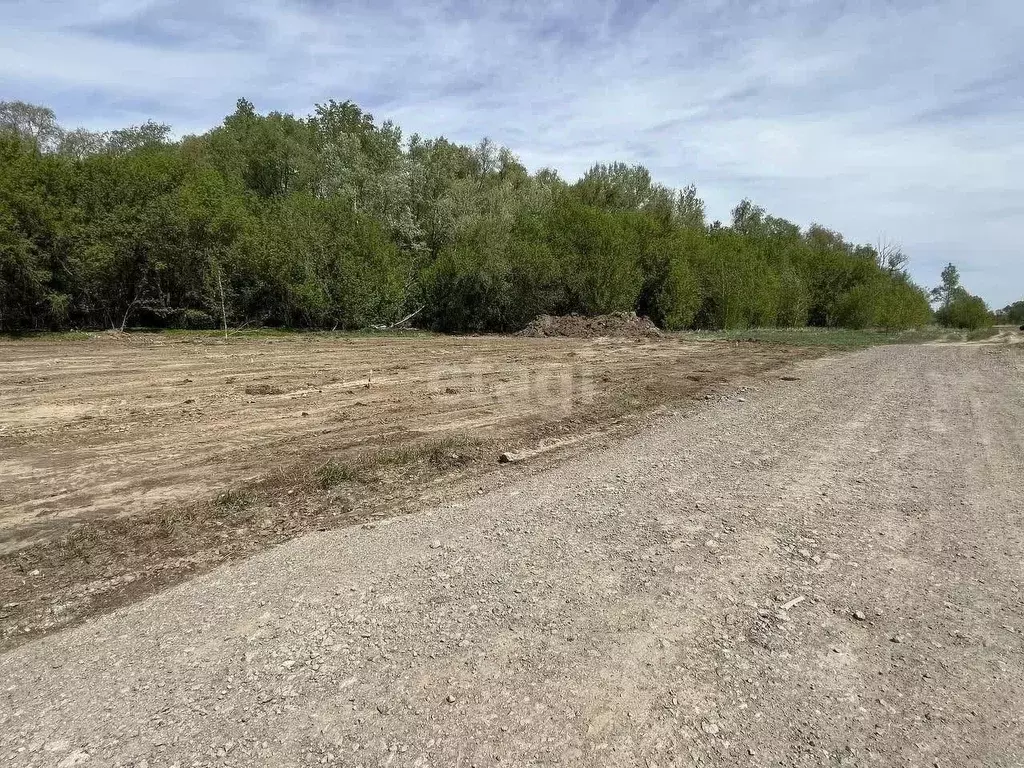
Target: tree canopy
[[957, 307], [334, 220], [1012, 313]]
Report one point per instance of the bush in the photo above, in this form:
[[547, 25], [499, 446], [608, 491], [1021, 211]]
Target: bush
[[196, 320], [967, 312]]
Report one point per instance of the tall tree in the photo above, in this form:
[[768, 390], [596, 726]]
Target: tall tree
[[949, 288], [32, 122]]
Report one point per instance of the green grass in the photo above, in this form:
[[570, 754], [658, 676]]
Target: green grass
[[823, 337], [982, 333], [285, 333], [48, 335], [182, 334]]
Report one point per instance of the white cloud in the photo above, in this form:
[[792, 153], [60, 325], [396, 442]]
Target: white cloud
[[895, 119]]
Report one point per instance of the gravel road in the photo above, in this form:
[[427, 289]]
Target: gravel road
[[825, 571]]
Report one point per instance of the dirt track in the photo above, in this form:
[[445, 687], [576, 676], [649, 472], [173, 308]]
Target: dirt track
[[826, 572]]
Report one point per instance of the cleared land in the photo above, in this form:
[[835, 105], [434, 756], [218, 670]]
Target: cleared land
[[824, 573], [128, 461]]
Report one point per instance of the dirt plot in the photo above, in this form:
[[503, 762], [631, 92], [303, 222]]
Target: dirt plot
[[127, 460], [827, 573]]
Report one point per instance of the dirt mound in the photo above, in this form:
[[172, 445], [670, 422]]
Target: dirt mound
[[626, 324]]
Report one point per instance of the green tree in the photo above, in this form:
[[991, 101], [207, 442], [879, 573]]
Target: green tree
[[949, 289], [1012, 313], [967, 312], [333, 220]]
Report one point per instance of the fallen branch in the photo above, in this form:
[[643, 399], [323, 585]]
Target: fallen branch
[[407, 318], [238, 329]]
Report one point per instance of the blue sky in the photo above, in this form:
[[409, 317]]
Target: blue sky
[[892, 119]]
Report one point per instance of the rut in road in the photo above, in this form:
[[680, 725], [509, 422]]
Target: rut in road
[[827, 573]]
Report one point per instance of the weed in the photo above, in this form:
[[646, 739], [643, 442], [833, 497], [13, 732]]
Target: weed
[[390, 457], [236, 499], [334, 473], [820, 337], [982, 333], [263, 389], [449, 452]]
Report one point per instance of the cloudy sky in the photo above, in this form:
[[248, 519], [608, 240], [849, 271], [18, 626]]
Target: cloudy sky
[[894, 119]]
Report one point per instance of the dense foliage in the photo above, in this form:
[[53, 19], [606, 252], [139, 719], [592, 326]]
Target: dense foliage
[[957, 307], [333, 221], [1012, 313]]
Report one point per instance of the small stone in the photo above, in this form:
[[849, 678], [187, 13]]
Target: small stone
[[860, 616], [436, 544], [805, 553], [896, 639], [450, 698], [78, 757]]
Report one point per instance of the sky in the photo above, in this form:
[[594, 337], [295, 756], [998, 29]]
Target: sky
[[899, 121]]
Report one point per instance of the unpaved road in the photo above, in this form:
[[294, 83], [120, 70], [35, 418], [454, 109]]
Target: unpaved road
[[627, 608]]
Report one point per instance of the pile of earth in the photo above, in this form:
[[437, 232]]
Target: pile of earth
[[623, 324]]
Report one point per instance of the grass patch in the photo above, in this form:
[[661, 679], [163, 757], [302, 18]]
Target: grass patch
[[47, 335], [334, 473], [263, 389], [236, 500], [191, 334], [450, 452], [821, 337], [384, 458], [289, 333], [982, 333], [440, 455]]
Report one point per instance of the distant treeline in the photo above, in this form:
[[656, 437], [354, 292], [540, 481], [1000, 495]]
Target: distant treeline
[[333, 221]]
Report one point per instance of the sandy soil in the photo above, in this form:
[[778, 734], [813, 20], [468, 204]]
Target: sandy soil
[[122, 424], [820, 572], [130, 462]]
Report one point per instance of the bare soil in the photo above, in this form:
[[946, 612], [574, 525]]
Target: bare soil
[[821, 571], [618, 324], [129, 462]]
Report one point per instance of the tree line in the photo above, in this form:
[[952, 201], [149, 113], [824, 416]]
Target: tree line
[[958, 308], [1012, 313], [336, 221]]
